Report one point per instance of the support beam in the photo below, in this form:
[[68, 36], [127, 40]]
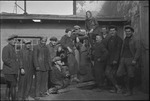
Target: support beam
[[144, 38], [74, 7], [25, 9]]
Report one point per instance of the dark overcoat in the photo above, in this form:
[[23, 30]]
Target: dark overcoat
[[100, 51], [41, 57], [113, 45], [10, 58], [67, 42], [25, 81], [85, 70], [72, 62], [52, 50], [58, 78]]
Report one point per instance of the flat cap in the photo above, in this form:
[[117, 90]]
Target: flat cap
[[44, 38], [77, 27], [26, 41], [129, 27], [53, 39], [112, 26], [12, 37], [68, 29], [57, 58]]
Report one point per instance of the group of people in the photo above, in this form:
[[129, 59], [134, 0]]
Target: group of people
[[97, 54]]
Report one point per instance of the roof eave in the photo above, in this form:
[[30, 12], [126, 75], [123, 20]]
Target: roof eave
[[56, 17]]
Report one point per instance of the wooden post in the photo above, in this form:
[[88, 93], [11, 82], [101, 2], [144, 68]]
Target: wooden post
[[25, 10], [144, 37], [74, 7]]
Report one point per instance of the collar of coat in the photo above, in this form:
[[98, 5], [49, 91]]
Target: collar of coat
[[25, 48], [11, 45], [67, 36], [131, 37], [42, 45], [50, 44]]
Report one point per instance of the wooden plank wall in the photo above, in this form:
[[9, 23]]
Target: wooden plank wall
[[144, 35]]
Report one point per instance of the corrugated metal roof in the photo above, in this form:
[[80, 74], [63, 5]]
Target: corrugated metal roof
[[56, 17]]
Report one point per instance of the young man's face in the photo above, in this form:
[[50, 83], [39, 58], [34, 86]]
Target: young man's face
[[128, 32], [104, 30], [98, 38], [69, 34], [113, 31], [43, 40], [53, 42], [77, 30]]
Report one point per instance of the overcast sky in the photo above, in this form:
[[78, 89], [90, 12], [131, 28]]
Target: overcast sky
[[39, 7]]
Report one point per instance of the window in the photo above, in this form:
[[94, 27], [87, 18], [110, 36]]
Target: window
[[19, 43]]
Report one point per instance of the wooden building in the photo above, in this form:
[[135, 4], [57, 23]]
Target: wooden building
[[47, 25], [55, 25], [137, 12], [144, 37]]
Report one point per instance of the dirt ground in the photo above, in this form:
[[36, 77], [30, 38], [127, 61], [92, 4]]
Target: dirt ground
[[88, 94]]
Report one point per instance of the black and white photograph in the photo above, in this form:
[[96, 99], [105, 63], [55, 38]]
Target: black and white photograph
[[74, 50]]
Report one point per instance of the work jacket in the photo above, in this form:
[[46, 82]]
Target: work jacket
[[27, 60], [134, 46], [114, 48], [100, 52], [67, 42]]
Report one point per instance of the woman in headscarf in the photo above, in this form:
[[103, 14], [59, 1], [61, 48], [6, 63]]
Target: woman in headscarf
[[91, 26]]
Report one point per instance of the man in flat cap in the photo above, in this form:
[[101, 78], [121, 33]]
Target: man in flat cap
[[59, 74], [52, 47], [113, 45], [26, 72], [41, 58], [130, 54], [11, 65]]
